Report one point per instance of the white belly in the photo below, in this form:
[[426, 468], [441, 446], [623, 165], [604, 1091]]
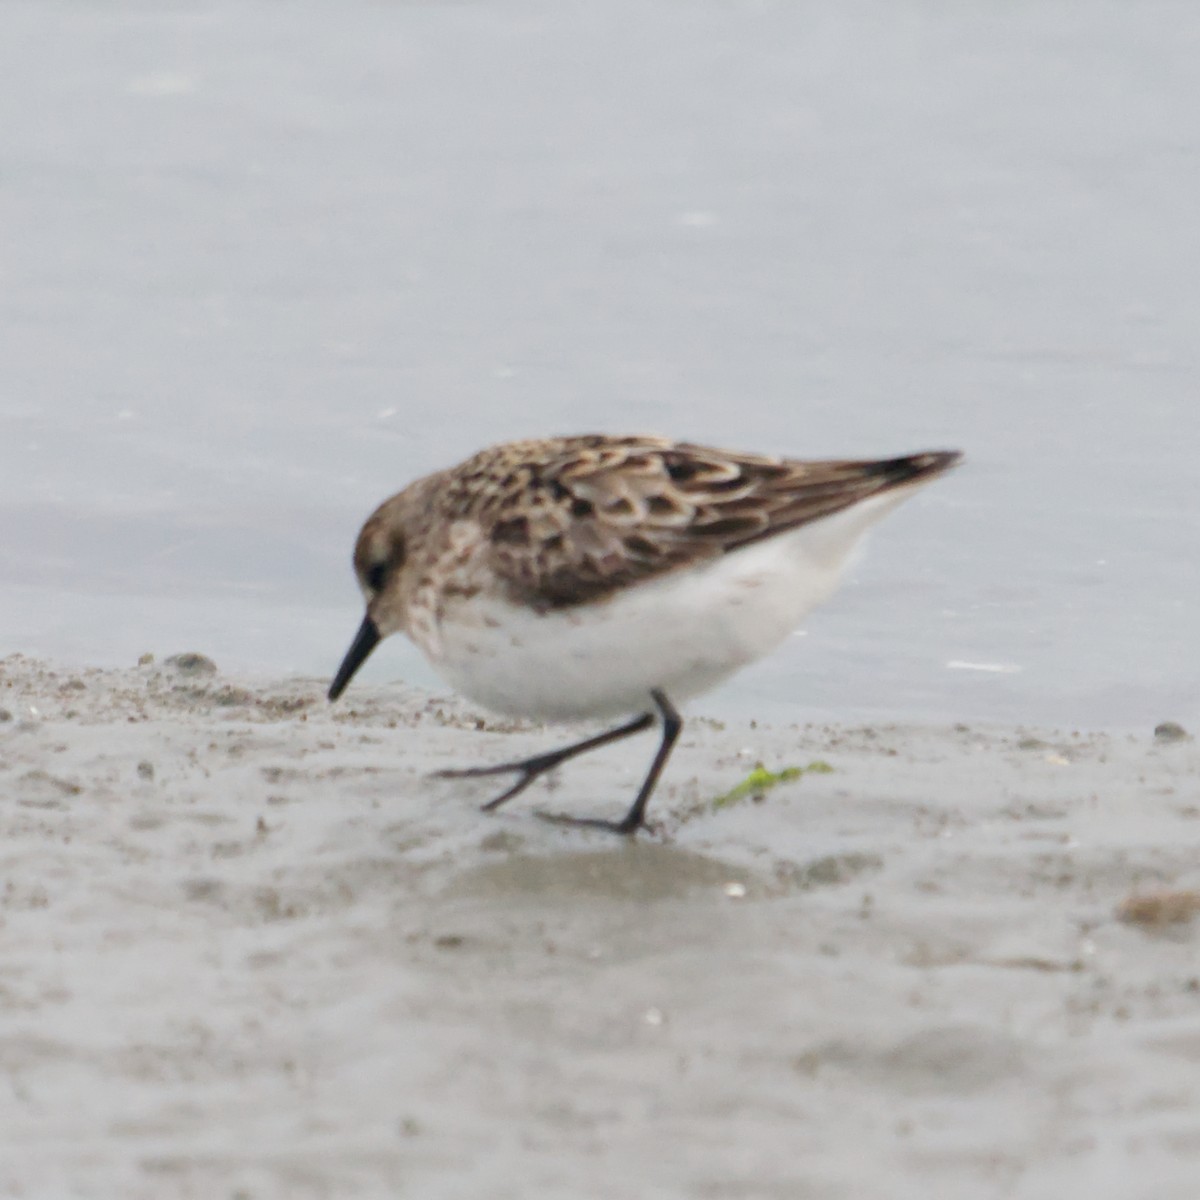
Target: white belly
[[683, 633]]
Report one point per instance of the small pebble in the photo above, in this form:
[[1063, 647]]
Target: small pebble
[[5, 715], [735, 891], [1170, 731], [1156, 909], [145, 769], [191, 664], [145, 660]]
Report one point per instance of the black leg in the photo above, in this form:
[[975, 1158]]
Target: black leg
[[530, 769], [635, 818]]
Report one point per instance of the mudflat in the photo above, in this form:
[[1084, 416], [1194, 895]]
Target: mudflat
[[251, 950]]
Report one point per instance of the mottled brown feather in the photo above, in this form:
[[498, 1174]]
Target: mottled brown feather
[[571, 520]]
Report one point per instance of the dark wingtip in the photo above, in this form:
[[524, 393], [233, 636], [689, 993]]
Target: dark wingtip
[[911, 467]]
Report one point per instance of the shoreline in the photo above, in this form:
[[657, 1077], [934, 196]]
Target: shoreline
[[251, 946]]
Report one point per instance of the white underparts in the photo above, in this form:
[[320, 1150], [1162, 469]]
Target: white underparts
[[684, 632]]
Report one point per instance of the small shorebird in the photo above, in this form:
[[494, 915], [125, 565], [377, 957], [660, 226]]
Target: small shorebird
[[594, 577]]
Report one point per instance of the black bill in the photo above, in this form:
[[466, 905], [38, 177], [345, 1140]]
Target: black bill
[[365, 640]]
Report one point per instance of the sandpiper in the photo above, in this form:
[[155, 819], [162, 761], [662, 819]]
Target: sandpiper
[[574, 578]]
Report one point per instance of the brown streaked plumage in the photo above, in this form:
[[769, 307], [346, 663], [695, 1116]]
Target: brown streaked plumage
[[564, 577]]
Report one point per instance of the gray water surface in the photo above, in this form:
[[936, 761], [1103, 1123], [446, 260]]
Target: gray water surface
[[264, 264]]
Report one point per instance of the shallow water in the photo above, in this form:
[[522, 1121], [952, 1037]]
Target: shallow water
[[258, 274]]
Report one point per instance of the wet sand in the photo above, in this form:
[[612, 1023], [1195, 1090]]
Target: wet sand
[[250, 950]]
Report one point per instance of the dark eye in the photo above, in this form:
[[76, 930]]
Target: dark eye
[[376, 575]]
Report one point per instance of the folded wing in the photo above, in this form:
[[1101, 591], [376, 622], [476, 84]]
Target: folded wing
[[598, 514]]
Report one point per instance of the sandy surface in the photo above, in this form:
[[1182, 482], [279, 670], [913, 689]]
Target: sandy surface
[[249, 951]]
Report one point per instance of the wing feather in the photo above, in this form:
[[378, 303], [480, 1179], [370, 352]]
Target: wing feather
[[583, 517]]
